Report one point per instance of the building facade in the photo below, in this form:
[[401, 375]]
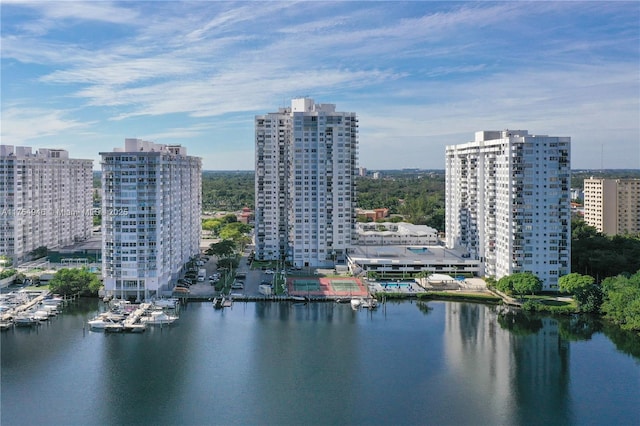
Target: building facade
[[152, 199], [306, 165], [508, 203], [395, 233], [612, 206], [45, 200]]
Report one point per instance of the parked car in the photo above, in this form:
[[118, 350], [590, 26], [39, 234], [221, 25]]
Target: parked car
[[237, 285]]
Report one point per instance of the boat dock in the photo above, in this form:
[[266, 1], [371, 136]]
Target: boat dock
[[132, 322], [21, 307]]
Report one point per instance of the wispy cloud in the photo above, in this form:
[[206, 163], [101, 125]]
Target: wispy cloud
[[21, 124], [422, 74]]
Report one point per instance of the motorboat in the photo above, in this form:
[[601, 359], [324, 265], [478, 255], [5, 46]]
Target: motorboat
[[41, 315], [171, 303], [369, 303], [25, 321], [135, 328], [100, 322], [158, 318], [115, 327], [54, 301], [5, 325], [355, 303]]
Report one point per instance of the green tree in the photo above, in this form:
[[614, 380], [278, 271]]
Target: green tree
[[526, 282], [223, 249], [73, 281], [212, 225], [574, 282], [622, 300], [234, 231], [587, 294], [7, 273], [519, 283], [505, 284]]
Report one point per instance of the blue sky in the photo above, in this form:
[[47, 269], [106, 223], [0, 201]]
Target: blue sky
[[84, 76]]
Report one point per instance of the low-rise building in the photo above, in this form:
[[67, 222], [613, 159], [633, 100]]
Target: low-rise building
[[395, 233], [406, 261]]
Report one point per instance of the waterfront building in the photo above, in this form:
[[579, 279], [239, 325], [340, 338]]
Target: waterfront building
[[612, 206], [45, 200], [305, 188], [150, 217], [406, 261], [508, 203]]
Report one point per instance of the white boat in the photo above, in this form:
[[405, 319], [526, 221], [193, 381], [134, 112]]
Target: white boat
[[54, 301], [369, 303], [135, 328], [100, 322], [158, 318], [171, 303], [51, 309], [25, 321], [114, 327], [41, 315], [5, 325], [355, 303]]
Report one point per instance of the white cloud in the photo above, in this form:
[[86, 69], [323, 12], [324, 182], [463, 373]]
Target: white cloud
[[21, 124], [417, 78]]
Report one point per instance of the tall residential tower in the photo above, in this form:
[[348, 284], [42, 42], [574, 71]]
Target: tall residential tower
[[306, 159], [45, 200], [612, 206], [150, 217], [508, 203]]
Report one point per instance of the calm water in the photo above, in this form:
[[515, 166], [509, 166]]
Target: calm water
[[261, 363]]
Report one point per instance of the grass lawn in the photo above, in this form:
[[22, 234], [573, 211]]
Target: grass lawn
[[551, 301]]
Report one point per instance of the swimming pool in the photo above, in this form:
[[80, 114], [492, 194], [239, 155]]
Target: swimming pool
[[395, 284], [418, 250]]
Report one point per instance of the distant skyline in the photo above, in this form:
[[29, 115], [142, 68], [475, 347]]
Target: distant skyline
[[83, 76]]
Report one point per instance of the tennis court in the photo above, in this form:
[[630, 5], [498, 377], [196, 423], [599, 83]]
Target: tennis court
[[326, 287]]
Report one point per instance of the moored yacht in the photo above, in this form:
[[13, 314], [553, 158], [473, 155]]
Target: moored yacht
[[158, 318]]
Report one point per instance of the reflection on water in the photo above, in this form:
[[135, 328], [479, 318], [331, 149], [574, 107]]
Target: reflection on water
[[322, 363], [519, 364]]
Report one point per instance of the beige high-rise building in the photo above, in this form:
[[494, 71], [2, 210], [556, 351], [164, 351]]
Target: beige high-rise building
[[612, 206]]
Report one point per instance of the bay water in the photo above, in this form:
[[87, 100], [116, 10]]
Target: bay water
[[265, 363]]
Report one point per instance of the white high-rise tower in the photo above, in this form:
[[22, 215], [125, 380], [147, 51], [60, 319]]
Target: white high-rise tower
[[151, 204], [306, 164], [508, 203]]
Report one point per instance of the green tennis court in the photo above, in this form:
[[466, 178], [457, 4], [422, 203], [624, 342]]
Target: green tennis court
[[326, 287], [306, 285], [345, 285]]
